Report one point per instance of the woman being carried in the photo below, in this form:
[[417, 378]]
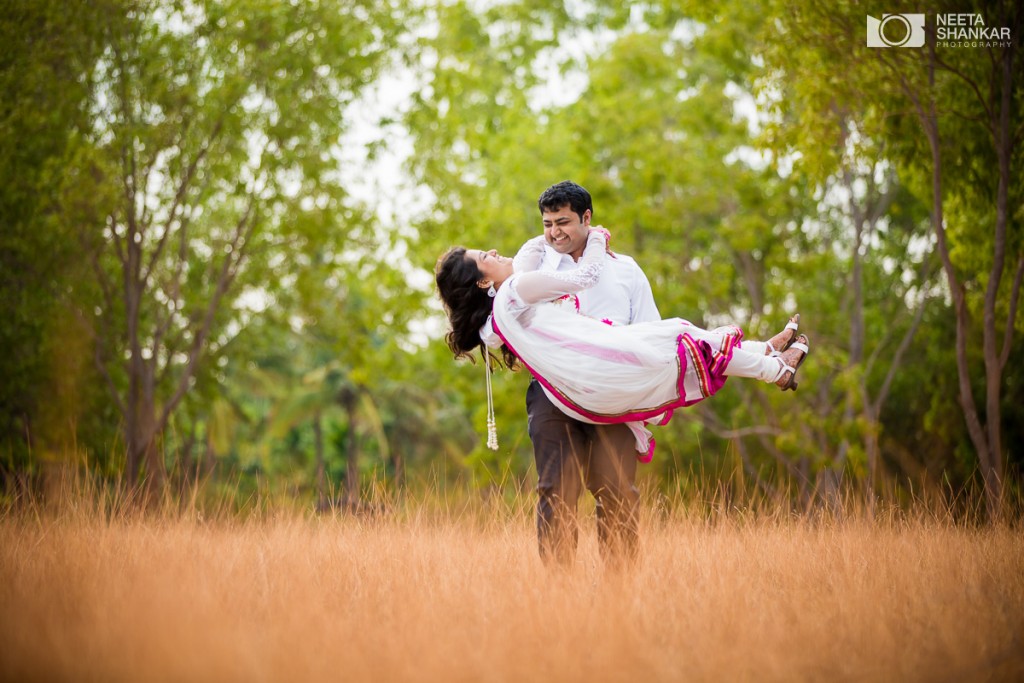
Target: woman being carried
[[592, 370]]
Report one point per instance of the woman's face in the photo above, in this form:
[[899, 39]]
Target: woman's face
[[493, 267]]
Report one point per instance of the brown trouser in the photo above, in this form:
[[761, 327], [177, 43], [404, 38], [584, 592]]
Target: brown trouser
[[569, 452]]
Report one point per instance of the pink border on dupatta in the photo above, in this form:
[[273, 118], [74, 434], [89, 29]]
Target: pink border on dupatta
[[688, 350]]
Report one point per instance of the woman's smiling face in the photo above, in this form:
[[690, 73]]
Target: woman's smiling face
[[493, 267]]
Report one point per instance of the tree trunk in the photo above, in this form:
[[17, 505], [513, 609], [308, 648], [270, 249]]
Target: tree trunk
[[805, 490], [398, 463], [145, 465], [992, 464], [828, 485], [857, 344], [321, 470], [351, 456], [974, 426], [209, 457], [188, 474], [133, 466]]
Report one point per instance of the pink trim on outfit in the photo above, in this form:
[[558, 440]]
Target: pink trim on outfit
[[708, 364], [649, 455]]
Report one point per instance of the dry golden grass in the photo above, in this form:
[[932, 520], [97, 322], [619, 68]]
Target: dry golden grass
[[422, 596]]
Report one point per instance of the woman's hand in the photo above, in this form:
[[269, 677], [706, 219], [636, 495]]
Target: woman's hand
[[607, 238]]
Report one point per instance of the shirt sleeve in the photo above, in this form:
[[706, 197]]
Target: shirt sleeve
[[530, 255], [536, 286]]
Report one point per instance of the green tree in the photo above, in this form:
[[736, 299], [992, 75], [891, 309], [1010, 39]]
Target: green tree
[[207, 168], [952, 120], [47, 50], [484, 147], [652, 133]]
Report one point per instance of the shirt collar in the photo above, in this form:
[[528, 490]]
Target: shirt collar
[[552, 259]]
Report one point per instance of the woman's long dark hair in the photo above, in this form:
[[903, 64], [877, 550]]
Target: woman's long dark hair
[[466, 304]]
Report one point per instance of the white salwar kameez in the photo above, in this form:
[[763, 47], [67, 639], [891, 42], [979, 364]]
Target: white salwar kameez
[[604, 373]]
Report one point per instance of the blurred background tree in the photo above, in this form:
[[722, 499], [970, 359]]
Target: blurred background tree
[[213, 279], [49, 48]]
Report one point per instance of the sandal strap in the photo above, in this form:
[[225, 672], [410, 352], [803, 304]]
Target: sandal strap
[[783, 369], [791, 326], [799, 347]]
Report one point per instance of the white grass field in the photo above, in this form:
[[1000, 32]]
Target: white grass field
[[423, 596]]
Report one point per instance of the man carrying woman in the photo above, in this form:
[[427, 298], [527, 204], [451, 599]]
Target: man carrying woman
[[583, 321]]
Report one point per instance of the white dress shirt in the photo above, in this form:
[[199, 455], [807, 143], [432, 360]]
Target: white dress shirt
[[622, 295]]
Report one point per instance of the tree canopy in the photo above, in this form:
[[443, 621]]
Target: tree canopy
[[196, 290]]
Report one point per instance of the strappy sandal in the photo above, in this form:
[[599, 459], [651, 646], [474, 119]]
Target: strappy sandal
[[793, 324], [790, 382]]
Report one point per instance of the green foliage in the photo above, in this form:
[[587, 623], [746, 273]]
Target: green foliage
[[206, 165], [46, 48], [935, 115], [175, 220]]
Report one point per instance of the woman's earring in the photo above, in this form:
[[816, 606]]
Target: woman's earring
[[491, 291]]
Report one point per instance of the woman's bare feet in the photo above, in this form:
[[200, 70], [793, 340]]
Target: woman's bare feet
[[792, 358], [782, 340]]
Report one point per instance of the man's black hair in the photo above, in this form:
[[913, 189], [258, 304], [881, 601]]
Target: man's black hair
[[563, 193]]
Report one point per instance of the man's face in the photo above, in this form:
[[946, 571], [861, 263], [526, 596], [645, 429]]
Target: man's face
[[565, 232]]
